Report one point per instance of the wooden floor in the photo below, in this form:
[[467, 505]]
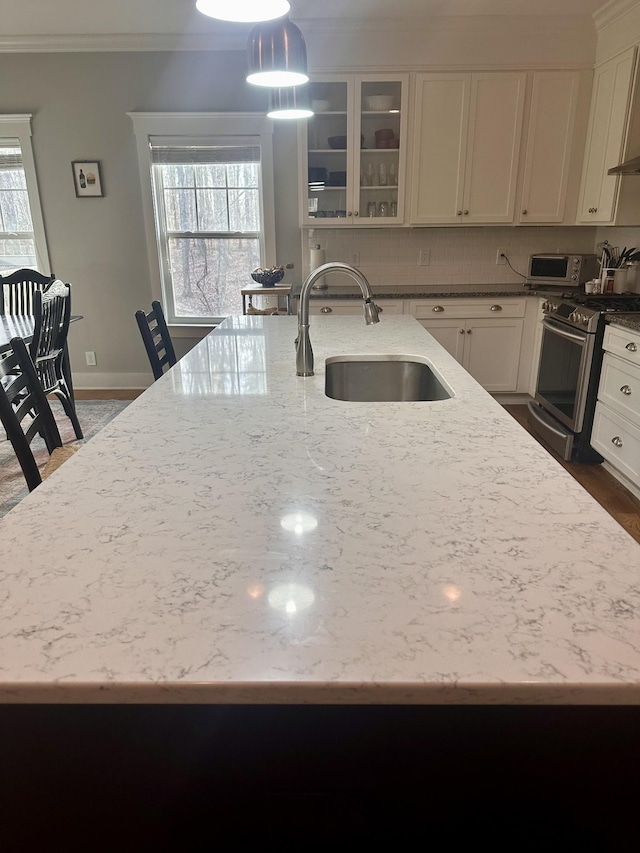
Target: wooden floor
[[609, 492]]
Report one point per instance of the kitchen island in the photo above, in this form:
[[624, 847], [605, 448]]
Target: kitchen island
[[236, 546]]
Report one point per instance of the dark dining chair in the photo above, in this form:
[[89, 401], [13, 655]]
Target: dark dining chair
[[25, 411], [17, 289], [156, 339], [52, 315]]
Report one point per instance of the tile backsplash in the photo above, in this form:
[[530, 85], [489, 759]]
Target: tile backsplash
[[389, 257]]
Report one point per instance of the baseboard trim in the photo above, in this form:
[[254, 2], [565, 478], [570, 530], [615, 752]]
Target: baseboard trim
[[93, 381], [512, 399], [631, 487], [107, 393]]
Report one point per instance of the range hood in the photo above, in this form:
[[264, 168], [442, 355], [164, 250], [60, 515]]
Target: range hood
[[630, 167]]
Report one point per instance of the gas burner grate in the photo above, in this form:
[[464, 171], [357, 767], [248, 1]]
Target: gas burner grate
[[607, 303]]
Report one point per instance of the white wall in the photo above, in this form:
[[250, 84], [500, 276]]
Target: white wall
[[80, 103]]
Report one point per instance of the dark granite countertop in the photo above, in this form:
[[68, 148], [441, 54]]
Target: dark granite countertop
[[629, 321], [354, 293]]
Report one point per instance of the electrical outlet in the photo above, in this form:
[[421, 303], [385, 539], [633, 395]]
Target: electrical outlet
[[91, 358], [354, 258], [501, 257], [424, 258]]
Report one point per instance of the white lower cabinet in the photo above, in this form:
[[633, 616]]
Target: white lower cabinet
[[485, 336], [491, 338], [616, 426], [317, 305]]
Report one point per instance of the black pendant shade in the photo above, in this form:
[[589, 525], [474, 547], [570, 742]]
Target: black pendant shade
[[277, 55]]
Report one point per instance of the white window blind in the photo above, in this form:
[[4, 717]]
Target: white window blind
[[17, 240], [208, 204]]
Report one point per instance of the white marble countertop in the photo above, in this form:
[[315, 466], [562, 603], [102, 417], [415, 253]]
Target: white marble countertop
[[237, 536]]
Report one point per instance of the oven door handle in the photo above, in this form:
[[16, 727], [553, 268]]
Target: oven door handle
[[563, 332]]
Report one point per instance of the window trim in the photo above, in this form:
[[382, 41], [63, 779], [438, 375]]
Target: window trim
[[19, 127], [189, 125]]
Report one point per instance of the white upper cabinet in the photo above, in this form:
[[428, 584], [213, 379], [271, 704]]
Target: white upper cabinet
[[606, 137], [352, 151], [549, 147], [466, 144]]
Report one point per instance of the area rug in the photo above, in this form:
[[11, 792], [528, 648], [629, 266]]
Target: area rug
[[93, 415]]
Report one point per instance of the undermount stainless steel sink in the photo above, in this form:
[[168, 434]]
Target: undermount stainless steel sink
[[383, 378]]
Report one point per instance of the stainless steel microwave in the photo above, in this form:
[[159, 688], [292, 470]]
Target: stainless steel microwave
[[564, 270]]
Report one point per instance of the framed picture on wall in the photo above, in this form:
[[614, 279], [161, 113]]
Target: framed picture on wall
[[86, 178]]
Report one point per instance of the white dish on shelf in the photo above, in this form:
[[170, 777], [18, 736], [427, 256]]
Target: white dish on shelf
[[379, 102]]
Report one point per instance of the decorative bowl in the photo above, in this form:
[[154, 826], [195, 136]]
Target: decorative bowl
[[268, 278]]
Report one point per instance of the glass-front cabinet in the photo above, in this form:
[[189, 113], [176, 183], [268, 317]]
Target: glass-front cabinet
[[353, 151]]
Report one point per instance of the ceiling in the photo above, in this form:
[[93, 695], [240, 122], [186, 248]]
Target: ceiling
[[74, 17]]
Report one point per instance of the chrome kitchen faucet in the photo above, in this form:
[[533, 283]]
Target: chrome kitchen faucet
[[304, 353]]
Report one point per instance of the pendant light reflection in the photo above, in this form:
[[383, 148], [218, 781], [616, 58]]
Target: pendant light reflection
[[289, 103], [277, 55], [243, 11]]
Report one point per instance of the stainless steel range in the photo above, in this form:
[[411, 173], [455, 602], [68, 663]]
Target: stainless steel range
[[569, 370]]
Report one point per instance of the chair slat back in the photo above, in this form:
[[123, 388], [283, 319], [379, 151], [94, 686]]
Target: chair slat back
[[52, 315], [25, 410], [17, 289], [156, 339]]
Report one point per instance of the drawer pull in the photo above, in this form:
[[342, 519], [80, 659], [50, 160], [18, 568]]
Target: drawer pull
[[496, 307], [626, 390], [326, 310], [437, 309], [617, 441], [632, 347]]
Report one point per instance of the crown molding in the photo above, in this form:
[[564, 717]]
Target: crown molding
[[611, 11], [314, 29], [122, 42]]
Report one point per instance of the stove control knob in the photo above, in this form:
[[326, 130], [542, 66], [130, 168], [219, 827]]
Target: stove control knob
[[573, 317], [545, 305], [574, 277], [584, 319]]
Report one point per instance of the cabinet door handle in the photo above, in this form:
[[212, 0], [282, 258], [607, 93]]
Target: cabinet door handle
[[461, 331], [632, 347], [626, 390], [496, 308], [356, 213], [524, 212], [466, 213], [349, 213], [437, 309], [459, 213], [326, 310], [468, 331], [617, 441]]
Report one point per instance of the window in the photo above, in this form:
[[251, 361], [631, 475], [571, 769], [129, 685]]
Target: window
[[212, 211], [22, 242]]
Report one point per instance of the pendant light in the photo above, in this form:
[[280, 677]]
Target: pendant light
[[289, 103], [277, 55], [243, 11]]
